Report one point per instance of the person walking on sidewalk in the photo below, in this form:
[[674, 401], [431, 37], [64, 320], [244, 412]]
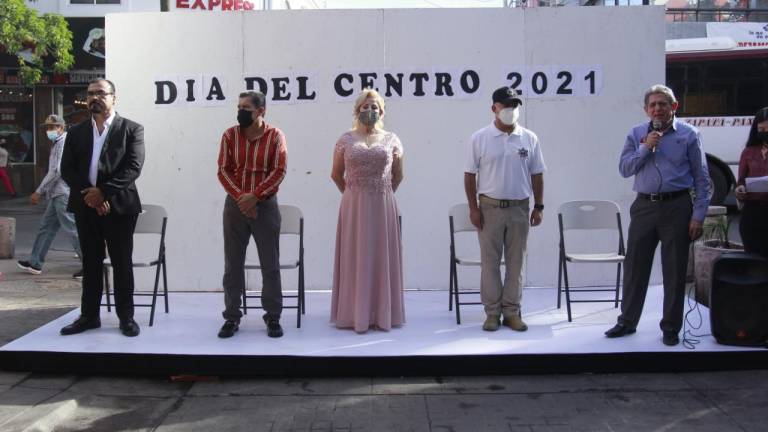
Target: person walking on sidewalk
[[3, 173], [57, 192]]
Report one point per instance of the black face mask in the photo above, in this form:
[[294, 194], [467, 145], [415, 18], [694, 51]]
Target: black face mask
[[245, 118], [762, 137]]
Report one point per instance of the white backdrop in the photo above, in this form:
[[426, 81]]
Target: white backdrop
[[581, 136]]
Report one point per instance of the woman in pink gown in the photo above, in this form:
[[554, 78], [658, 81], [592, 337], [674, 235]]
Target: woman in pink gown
[[368, 268]]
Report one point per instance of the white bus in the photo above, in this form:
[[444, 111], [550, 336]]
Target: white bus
[[720, 86]]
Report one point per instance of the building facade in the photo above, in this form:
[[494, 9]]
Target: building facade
[[23, 109]]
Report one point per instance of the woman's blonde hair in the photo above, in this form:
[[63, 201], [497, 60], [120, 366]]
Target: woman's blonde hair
[[361, 98]]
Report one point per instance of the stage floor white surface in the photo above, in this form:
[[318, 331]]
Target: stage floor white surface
[[193, 322]]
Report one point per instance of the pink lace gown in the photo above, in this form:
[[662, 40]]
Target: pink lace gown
[[368, 270]]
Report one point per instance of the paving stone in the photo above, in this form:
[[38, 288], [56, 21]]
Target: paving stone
[[574, 412], [17, 400], [745, 407], [408, 385], [727, 379], [295, 413], [11, 378], [74, 412], [129, 386], [49, 381], [283, 387]]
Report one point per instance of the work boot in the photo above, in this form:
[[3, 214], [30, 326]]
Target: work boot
[[491, 323], [515, 323]]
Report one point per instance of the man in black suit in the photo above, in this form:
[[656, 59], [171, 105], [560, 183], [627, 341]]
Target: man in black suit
[[102, 159]]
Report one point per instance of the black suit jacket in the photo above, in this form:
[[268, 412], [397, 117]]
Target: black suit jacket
[[122, 157]]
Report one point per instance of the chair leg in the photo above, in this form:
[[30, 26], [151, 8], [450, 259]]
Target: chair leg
[[567, 290], [301, 289], [618, 281], [154, 296], [456, 293], [245, 301], [298, 312], [298, 304], [106, 288], [559, 279], [450, 286], [165, 286]]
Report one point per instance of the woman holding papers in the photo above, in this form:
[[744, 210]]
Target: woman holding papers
[[752, 189]]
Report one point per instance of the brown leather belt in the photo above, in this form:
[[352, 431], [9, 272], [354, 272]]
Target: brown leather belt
[[502, 203]]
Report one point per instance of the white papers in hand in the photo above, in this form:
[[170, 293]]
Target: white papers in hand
[[757, 184]]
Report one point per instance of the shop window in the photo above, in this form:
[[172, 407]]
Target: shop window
[[17, 124], [72, 103]]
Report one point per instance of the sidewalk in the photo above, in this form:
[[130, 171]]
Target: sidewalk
[[27, 301], [721, 402]]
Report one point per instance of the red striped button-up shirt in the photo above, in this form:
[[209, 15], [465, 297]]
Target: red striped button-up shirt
[[252, 166]]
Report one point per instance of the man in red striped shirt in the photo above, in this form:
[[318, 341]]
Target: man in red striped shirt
[[252, 162]]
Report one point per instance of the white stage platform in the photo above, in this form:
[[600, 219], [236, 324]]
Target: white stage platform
[[185, 341]]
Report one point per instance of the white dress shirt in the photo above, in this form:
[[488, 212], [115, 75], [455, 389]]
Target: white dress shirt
[[504, 163], [98, 143]]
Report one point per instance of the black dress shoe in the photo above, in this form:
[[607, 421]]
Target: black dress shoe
[[670, 338], [80, 325], [273, 326], [228, 329], [129, 327], [619, 330]]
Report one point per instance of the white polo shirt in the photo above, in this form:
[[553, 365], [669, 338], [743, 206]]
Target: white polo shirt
[[504, 163]]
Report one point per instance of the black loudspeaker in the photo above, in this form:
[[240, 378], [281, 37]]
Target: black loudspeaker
[[738, 300]]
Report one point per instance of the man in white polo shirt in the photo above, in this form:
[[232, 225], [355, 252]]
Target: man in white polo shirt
[[504, 168]]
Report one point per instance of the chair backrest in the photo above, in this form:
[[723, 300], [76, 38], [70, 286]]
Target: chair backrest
[[589, 214], [291, 218], [460, 215], [150, 220]]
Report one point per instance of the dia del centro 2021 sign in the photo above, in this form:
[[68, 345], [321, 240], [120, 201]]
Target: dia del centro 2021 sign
[[551, 81]]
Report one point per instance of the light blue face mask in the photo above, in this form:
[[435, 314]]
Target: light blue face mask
[[52, 135]]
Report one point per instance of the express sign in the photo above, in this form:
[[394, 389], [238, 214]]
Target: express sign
[[212, 5]]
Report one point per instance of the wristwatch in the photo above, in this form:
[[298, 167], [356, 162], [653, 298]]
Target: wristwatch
[[538, 207]]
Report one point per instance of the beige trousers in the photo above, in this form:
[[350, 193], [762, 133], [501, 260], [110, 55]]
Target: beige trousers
[[504, 230]]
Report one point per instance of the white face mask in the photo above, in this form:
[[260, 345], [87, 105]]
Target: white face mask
[[52, 135], [509, 116]]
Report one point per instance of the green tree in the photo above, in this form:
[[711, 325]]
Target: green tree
[[47, 35]]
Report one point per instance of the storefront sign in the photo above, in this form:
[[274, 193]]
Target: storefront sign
[[746, 35], [11, 77], [213, 5]]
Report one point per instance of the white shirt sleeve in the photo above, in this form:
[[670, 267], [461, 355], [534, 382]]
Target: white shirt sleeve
[[473, 155], [536, 163]]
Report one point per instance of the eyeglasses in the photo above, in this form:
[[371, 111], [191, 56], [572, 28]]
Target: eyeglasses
[[98, 94]]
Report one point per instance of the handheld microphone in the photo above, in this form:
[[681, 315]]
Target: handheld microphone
[[656, 126]]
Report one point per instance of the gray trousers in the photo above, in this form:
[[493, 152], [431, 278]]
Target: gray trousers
[[265, 230], [505, 230], [651, 223]]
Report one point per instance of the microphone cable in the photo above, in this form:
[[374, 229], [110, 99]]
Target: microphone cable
[[654, 128], [692, 319]]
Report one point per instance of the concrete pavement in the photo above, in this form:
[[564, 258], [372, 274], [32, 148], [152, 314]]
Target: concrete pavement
[[721, 401]]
